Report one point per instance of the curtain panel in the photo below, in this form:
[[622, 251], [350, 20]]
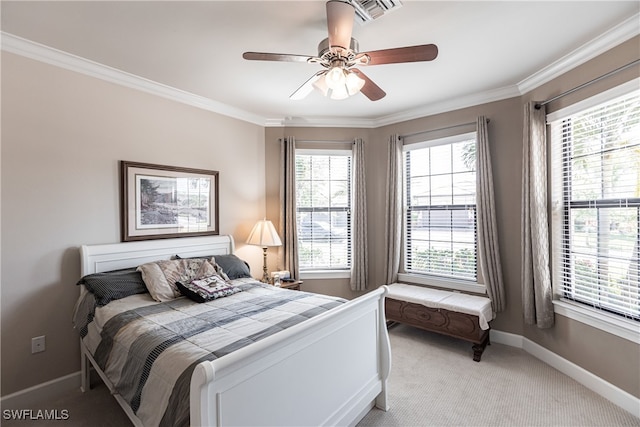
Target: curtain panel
[[537, 293], [393, 213], [488, 248], [359, 264], [288, 252]]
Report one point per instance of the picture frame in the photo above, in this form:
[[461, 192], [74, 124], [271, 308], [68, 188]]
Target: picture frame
[[161, 202]]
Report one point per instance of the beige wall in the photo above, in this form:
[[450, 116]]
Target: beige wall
[[505, 140], [337, 287], [505, 131], [63, 133], [615, 359], [583, 345], [62, 137]]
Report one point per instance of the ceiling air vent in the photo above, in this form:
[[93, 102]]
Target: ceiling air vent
[[368, 10]]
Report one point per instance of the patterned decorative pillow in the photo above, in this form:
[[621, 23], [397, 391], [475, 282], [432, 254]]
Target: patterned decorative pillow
[[161, 276], [207, 289], [212, 260]]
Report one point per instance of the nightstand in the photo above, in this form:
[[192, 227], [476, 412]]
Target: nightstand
[[295, 285]]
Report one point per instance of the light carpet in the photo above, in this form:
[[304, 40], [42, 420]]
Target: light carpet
[[433, 382]]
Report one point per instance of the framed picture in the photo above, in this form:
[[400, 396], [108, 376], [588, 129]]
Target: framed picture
[[159, 202]]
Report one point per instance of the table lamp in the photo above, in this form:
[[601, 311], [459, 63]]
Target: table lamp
[[264, 234]]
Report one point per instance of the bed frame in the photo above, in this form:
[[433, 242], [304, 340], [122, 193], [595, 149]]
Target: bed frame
[[329, 370]]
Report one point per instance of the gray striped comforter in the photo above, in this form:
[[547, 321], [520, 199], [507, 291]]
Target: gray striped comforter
[[148, 350]]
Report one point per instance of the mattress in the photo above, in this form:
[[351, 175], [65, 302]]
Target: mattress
[[148, 349]]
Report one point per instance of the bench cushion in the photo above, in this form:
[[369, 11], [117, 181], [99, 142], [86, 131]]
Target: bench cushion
[[452, 301]]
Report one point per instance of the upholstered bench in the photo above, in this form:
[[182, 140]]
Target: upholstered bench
[[451, 313]]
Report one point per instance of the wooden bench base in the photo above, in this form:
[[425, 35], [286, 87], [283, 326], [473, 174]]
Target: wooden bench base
[[454, 324]]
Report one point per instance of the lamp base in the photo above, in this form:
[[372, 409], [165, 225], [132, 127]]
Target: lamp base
[[265, 275]]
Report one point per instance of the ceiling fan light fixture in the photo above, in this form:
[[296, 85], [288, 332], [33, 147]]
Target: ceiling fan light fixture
[[340, 92], [353, 83], [335, 77], [321, 85], [339, 52], [338, 83]]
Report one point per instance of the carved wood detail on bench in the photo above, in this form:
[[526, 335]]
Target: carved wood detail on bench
[[451, 323]]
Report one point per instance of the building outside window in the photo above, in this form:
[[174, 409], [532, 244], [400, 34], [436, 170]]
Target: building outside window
[[323, 198], [440, 208]]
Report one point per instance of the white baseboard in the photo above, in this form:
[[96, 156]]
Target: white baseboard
[[51, 389], [27, 398], [605, 389], [506, 338]]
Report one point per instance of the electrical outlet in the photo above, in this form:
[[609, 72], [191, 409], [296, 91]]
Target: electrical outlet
[[37, 344]]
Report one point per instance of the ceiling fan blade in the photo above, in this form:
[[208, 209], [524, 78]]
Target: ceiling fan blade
[[340, 24], [307, 87], [264, 56], [425, 52], [370, 89]]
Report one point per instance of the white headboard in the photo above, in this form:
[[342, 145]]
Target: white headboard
[[114, 256]]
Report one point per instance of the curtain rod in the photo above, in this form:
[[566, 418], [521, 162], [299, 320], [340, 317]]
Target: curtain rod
[[439, 129], [538, 105]]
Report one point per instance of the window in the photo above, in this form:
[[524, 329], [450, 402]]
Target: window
[[596, 179], [440, 208], [323, 198]]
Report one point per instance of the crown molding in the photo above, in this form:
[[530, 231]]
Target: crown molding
[[334, 122], [606, 41], [58, 58], [450, 105], [428, 110], [39, 52]]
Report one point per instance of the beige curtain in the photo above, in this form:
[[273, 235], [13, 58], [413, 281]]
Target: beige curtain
[[393, 214], [537, 294], [288, 252], [488, 248], [359, 265]]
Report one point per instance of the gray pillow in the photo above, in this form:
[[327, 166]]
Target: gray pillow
[[113, 285], [233, 266]]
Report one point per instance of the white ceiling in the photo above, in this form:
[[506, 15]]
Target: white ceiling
[[487, 50]]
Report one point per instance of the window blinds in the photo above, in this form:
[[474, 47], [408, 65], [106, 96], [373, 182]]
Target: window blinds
[[596, 179], [440, 211], [323, 204]]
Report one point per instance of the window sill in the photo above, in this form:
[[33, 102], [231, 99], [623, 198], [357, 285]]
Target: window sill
[[615, 325], [457, 285], [325, 274]]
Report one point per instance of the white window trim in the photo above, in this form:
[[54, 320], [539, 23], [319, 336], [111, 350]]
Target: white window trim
[[328, 273], [426, 279], [323, 152], [600, 98], [325, 274], [611, 323], [442, 282], [596, 318], [410, 145]]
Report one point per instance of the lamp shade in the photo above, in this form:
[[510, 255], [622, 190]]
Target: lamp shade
[[264, 234], [354, 83]]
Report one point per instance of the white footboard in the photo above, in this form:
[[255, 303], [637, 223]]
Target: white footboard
[[329, 370]]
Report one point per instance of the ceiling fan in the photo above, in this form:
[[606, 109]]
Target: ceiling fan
[[338, 55]]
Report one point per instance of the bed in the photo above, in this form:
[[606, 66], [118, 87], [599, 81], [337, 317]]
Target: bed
[[328, 369]]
